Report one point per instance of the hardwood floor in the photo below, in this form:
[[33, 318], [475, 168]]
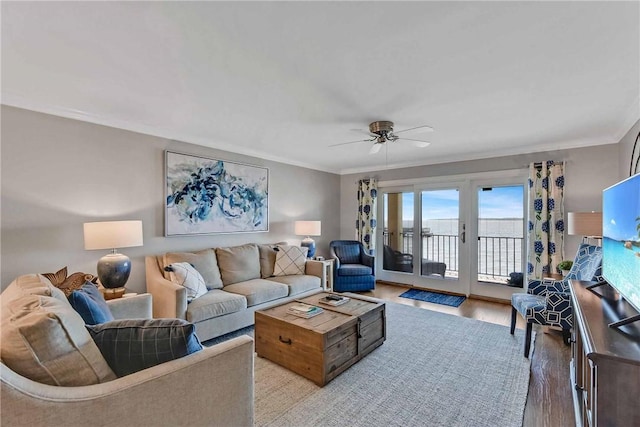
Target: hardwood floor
[[549, 402]]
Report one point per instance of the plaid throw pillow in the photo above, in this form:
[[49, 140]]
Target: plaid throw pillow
[[290, 260], [131, 345]]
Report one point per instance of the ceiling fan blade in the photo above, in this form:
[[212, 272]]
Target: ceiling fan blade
[[375, 148], [423, 128], [417, 142], [351, 142]]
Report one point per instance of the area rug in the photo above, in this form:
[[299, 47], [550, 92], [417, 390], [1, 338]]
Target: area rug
[[434, 297], [434, 369]]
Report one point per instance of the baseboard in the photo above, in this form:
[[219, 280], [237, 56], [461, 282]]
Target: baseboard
[[491, 299]]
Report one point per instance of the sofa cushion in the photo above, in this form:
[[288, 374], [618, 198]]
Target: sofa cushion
[[45, 340], [290, 260], [298, 283], [184, 274], [204, 261], [257, 291], [213, 304], [354, 270], [90, 304], [238, 263], [131, 345], [267, 260]]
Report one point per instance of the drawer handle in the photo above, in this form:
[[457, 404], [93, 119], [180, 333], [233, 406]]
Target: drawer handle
[[287, 341]]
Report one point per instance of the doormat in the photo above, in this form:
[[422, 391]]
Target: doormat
[[434, 297]]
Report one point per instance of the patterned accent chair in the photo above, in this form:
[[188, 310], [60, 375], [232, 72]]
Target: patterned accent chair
[[353, 268], [547, 301]]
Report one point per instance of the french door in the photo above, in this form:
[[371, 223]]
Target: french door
[[463, 236]]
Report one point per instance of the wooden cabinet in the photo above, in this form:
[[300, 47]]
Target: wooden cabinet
[[605, 365]]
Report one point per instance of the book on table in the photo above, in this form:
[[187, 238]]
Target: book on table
[[304, 310], [334, 300]]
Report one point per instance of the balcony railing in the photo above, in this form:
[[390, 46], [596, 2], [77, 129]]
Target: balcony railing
[[497, 256]]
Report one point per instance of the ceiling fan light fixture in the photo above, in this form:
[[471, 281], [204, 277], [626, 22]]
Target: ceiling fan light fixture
[[375, 148]]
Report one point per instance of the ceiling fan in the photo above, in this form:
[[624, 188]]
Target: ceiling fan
[[381, 132]]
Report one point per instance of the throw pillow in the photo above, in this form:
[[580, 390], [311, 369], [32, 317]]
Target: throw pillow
[[290, 260], [268, 258], [184, 274], [90, 304], [204, 261], [45, 340], [69, 284], [131, 345]]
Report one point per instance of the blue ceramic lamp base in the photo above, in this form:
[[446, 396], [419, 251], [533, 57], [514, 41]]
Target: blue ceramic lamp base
[[308, 242]]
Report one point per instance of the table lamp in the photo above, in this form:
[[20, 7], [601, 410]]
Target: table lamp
[[585, 224], [308, 228], [113, 268]]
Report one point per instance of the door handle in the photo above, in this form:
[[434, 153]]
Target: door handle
[[463, 235]]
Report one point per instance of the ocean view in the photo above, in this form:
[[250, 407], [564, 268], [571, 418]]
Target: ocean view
[[499, 244]]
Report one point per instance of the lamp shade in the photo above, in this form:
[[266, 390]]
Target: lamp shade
[[585, 224], [112, 234], [308, 228]]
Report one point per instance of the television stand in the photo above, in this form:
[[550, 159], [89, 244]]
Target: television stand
[[625, 321], [596, 284], [605, 362]]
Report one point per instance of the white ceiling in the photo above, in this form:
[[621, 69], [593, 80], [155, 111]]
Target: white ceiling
[[284, 80]]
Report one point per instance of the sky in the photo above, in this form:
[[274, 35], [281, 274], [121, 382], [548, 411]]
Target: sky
[[500, 202]]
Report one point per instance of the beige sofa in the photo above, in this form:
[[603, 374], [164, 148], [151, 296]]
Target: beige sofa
[[179, 392], [243, 281]]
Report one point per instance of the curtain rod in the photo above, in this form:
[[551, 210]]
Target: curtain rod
[[538, 165]]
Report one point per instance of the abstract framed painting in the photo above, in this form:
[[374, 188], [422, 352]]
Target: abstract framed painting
[[205, 196]]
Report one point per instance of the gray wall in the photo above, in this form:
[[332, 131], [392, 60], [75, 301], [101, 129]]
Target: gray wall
[[626, 149], [59, 173], [587, 172]]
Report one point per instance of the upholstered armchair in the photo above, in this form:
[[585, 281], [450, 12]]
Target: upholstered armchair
[[547, 301], [353, 268]]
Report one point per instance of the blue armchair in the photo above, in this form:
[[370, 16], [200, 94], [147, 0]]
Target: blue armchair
[[353, 268], [547, 301]]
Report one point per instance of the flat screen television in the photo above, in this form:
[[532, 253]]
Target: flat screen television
[[621, 238]]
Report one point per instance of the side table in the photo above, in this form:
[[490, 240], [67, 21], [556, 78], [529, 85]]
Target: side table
[[328, 273], [136, 306]]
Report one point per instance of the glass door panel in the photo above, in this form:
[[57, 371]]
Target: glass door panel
[[500, 233], [439, 233], [500, 239], [398, 209]]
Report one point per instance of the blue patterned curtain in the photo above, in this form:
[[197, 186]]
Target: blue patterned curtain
[[366, 221], [546, 218]]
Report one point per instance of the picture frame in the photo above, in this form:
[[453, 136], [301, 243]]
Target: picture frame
[[208, 196]]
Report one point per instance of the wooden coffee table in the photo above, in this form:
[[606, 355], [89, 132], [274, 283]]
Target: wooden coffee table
[[324, 346]]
